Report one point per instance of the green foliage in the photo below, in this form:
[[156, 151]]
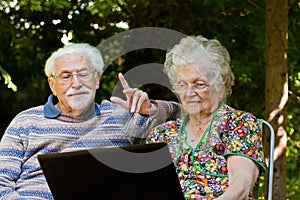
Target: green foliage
[[31, 30], [37, 5], [293, 128], [7, 80]]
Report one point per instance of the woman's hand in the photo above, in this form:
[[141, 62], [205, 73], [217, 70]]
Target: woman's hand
[[137, 100]]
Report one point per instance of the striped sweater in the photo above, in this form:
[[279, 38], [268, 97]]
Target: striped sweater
[[44, 129]]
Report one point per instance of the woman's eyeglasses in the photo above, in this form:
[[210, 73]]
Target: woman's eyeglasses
[[183, 87]]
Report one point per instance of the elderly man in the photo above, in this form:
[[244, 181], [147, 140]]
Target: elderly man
[[71, 120]]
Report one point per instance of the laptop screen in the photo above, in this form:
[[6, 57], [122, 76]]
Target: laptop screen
[[143, 171]]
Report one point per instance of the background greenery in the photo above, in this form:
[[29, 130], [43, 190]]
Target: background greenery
[[31, 30]]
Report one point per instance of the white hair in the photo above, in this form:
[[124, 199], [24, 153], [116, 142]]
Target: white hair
[[81, 48], [190, 50]]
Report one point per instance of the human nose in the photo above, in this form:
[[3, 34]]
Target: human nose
[[190, 90], [75, 81]]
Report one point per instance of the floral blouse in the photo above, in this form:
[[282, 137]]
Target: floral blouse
[[202, 170]]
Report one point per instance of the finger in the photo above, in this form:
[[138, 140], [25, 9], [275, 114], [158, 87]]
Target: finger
[[123, 81], [130, 91], [135, 98], [143, 98], [119, 101]]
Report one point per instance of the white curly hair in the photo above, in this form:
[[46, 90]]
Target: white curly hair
[[81, 48], [190, 49]]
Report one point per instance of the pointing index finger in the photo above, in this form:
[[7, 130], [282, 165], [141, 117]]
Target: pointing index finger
[[123, 81]]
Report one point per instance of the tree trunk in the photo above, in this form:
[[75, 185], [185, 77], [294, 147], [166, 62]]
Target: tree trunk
[[276, 92]]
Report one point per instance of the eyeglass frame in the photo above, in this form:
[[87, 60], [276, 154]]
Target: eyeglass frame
[[77, 73], [187, 86]]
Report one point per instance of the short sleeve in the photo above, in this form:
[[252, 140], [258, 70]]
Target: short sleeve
[[242, 136]]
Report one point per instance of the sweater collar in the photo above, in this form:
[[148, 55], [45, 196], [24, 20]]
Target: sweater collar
[[50, 111]]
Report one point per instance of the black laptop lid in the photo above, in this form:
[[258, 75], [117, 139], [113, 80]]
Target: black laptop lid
[[136, 172]]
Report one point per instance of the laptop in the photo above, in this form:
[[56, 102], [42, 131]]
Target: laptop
[[135, 172]]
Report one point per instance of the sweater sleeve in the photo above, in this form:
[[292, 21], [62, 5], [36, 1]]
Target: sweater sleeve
[[11, 155], [167, 110], [138, 127]]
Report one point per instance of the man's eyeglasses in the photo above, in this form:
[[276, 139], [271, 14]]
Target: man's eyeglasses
[[183, 87], [66, 77]]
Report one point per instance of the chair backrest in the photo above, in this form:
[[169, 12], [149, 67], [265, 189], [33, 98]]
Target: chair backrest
[[271, 156]]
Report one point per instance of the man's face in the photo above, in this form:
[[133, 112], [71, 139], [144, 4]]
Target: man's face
[[75, 83]]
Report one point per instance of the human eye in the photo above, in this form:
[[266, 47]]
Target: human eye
[[84, 74], [65, 76], [200, 85], [180, 86]]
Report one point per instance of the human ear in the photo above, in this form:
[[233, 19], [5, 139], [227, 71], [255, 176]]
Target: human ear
[[51, 85], [97, 77]]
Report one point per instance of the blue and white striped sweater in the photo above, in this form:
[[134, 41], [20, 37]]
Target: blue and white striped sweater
[[43, 129]]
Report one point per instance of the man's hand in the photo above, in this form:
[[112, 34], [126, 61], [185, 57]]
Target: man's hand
[[137, 100]]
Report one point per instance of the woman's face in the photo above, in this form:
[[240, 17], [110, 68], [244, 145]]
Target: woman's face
[[199, 97]]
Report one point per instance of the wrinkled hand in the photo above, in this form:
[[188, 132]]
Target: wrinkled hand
[[137, 100]]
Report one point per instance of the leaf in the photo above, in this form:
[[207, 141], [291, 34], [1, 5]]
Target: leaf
[[7, 80]]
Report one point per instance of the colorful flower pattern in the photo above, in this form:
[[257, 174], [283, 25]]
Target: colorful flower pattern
[[202, 170]]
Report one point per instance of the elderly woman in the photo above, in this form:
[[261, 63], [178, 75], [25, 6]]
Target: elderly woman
[[217, 149]]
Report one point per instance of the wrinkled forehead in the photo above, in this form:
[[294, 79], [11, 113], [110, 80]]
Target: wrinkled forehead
[[72, 62], [193, 71], [199, 60]]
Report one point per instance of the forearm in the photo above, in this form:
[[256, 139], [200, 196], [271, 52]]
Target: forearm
[[11, 154], [242, 174], [165, 110], [8, 173], [239, 189], [8, 193]]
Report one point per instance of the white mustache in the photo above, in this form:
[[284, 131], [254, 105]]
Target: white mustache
[[73, 91]]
